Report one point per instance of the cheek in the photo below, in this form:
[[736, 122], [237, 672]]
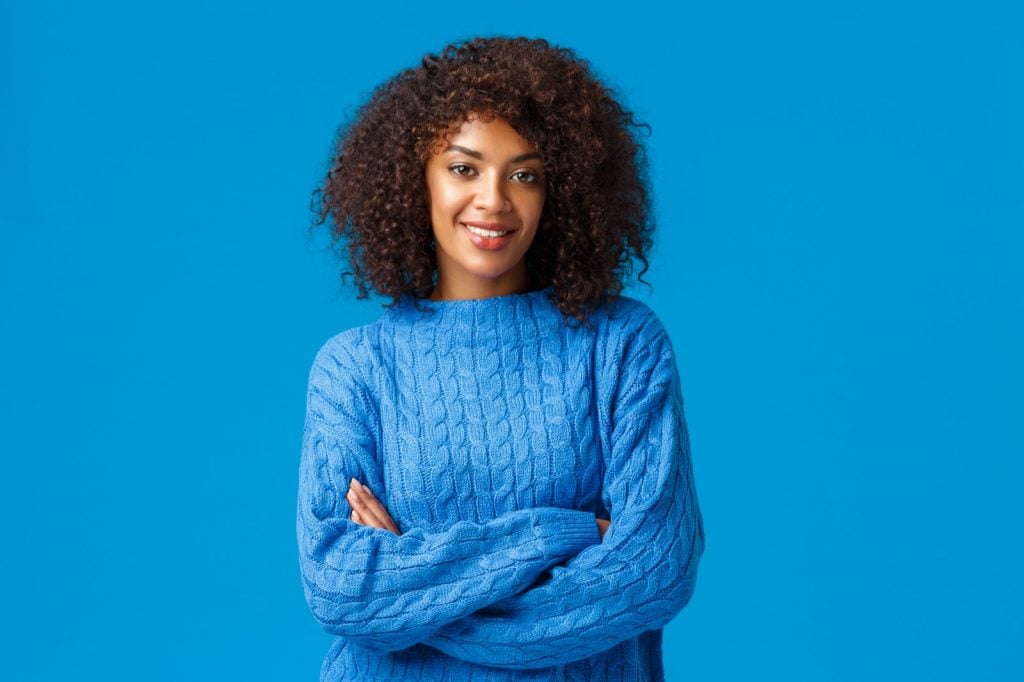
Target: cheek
[[444, 198], [536, 209]]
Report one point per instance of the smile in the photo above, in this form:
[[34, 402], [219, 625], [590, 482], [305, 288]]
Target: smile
[[488, 240], [484, 232]]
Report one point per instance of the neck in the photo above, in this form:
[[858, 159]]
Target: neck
[[449, 290]]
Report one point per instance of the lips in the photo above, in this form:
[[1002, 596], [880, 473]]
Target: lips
[[487, 243], [496, 227]]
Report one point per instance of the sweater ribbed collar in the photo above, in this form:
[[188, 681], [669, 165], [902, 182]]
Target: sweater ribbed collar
[[469, 322]]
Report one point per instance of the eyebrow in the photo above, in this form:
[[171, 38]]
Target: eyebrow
[[477, 155]]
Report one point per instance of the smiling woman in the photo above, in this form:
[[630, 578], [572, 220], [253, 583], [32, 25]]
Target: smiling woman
[[595, 221], [486, 194], [495, 479]]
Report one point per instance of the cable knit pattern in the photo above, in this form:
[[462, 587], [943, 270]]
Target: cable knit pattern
[[495, 434]]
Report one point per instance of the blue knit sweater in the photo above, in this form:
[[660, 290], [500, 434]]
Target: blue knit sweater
[[494, 433]]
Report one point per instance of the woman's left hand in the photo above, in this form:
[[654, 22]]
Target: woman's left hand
[[367, 509]]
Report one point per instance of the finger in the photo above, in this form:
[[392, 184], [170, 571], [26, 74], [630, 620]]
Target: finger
[[360, 505], [382, 513], [379, 510], [391, 525]]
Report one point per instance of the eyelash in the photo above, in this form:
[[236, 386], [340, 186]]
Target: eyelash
[[536, 177]]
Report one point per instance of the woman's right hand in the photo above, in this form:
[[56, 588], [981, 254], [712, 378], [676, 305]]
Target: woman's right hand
[[602, 526]]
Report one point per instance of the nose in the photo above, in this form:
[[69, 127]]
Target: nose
[[491, 195]]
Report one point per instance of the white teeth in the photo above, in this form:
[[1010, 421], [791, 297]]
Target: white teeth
[[485, 233]]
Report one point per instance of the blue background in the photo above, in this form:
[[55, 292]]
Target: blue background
[[839, 197]]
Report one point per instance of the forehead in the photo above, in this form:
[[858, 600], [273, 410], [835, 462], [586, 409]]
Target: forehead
[[485, 135]]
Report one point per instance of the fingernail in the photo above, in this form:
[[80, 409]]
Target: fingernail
[[353, 483]]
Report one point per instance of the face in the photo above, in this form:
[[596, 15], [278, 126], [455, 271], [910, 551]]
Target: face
[[485, 188]]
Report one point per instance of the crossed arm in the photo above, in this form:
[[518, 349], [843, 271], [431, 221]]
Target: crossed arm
[[471, 591], [387, 592], [367, 510]]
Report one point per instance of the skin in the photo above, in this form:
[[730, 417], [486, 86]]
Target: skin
[[485, 172], [367, 509]]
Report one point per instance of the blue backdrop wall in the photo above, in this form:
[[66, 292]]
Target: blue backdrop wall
[[838, 261]]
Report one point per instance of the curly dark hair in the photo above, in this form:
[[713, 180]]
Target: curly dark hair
[[597, 211]]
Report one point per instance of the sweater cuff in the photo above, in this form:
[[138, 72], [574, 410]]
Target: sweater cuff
[[566, 532]]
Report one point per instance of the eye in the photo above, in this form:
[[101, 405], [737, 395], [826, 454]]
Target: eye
[[461, 169], [526, 176]]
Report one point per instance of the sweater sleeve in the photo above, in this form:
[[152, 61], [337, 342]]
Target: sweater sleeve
[[645, 570], [386, 591]]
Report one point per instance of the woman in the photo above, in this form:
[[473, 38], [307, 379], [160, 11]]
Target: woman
[[495, 480]]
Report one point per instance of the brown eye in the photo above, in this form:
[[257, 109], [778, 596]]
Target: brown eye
[[526, 177], [461, 169]]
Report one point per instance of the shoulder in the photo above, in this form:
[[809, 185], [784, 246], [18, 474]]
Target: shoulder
[[340, 390], [344, 345], [634, 351], [630, 324], [346, 356]]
